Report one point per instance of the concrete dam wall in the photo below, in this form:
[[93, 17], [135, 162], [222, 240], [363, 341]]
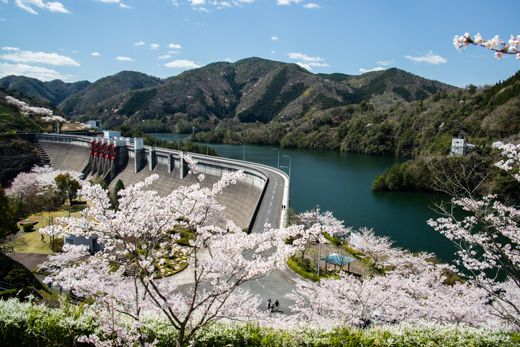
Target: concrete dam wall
[[72, 152]]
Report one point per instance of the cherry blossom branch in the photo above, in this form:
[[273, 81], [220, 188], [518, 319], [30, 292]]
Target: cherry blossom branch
[[496, 44]]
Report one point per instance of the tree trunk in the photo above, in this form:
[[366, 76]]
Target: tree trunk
[[180, 338]]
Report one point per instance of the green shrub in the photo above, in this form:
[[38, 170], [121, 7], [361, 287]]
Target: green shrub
[[301, 268], [26, 324], [28, 227]]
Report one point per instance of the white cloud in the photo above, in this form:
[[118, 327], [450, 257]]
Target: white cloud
[[304, 57], [428, 58], [39, 57], [384, 62], [182, 64], [310, 65], [173, 52], [55, 6], [10, 48], [30, 5], [199, 5], [95, 54], [306, 61], [287, 2], [117, 2], [200, 9], [311, 5], [123, 58], [377, 68], [165, 56], [319, 64], [174, 46], [304, 65], [274, 38], [139, 43], [41, 73], [154, 45]]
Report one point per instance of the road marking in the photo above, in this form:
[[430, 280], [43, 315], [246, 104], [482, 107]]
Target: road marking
[[269, 290]]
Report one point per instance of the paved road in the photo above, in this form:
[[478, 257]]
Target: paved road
[[281, 282]]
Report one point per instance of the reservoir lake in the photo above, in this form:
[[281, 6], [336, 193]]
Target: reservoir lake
[[341, 183]]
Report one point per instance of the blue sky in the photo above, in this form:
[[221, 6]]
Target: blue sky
[[89, 39]]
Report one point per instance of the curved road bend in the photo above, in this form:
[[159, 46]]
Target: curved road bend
[[280, 282]]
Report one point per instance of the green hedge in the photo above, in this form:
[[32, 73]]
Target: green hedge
[[294, 264], [25, 324]]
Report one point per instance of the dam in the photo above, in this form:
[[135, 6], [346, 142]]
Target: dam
[[259, 198]]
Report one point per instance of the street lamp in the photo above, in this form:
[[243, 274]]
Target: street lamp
[[278, 149], [243, 151]]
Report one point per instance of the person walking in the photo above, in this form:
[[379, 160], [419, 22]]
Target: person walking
[[276, 305], [269, 306]]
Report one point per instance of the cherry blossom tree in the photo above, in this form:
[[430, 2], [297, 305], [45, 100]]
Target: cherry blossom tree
[[501, 47], [488, 242], [409, 288], [39, 179], [140, 237], [25, 108], [317, 223], [36, 190]]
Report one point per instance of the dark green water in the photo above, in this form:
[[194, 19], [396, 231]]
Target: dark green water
[[341, 183]]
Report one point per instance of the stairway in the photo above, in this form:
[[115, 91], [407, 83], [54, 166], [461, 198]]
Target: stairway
[[42, 155]]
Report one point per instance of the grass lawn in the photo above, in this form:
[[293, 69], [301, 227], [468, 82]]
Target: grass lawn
[[31, 242]]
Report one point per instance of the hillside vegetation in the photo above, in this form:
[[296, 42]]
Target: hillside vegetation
[[484, 116], [254, 100], [252, 93], [16, 154]]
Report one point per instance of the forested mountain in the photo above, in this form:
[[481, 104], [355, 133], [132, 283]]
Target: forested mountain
[[52, 92], [382, 123], [390, 112], [90, 100], [256, 100], [249, 91]]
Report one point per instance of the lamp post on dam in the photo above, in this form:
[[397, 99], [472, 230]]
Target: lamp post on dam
[[289, 168]]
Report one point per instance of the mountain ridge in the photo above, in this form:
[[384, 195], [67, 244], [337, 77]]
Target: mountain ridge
[[250, 90]]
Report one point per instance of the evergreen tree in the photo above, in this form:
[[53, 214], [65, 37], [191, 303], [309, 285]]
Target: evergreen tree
[[7, 215], [113, 197], [67, 186]]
